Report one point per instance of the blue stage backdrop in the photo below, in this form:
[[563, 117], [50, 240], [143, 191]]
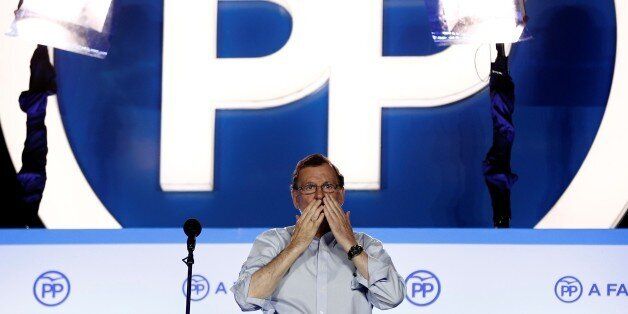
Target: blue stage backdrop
[[431, 158]]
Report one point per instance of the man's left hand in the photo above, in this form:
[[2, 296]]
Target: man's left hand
[[339, 223]]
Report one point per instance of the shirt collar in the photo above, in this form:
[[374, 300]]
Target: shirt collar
[[328, 238]]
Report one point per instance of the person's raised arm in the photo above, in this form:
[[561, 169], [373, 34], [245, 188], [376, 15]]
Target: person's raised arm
[[264, 268], [498, 174], [374, 268], [264, 281], [32, 176]]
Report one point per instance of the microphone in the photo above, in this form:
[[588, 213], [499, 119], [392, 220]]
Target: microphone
[[192, 229]]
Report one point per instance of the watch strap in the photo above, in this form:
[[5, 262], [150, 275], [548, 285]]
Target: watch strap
[[354, 251]]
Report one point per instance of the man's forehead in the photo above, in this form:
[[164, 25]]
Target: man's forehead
[[323, 172]]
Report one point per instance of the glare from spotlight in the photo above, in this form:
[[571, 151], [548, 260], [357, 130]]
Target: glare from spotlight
[[477, 21], [80, 26]]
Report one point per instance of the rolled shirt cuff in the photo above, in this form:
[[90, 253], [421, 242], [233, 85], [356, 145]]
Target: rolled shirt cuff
[[378, 271], [241, 290]]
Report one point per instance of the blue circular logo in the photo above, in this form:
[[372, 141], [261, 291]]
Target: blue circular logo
[[118, 112], [422, 288], [51, 288], [199, 290], [568, 289]]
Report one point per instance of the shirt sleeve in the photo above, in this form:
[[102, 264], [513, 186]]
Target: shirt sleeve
[[265, 248], [385, 287]]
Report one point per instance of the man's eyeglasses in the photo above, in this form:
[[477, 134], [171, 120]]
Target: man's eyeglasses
[[311, 188]]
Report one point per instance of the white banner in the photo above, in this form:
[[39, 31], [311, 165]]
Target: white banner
[[117, 272]]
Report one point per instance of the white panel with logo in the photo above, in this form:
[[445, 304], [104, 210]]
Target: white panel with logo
[[491, 276]]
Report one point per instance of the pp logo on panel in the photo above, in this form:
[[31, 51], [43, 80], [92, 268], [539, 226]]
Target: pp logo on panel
[[51, 288], [422, 288], [568, 289], [199, 289]]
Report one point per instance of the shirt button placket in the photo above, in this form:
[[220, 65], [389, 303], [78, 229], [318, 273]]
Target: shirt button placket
[[321, 279]]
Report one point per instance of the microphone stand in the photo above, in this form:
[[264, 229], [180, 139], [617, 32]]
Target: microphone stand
[[192, 229], [189, 260]]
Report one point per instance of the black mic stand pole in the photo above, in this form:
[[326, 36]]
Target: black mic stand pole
[[192, 229], [189, 261]]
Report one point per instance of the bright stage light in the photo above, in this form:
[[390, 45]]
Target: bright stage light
[[477, 21], [80, 26]]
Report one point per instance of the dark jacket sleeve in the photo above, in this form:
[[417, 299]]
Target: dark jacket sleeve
[[498, 174], [31, 178]]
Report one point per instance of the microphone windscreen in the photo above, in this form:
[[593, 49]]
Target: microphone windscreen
[[192, 227]]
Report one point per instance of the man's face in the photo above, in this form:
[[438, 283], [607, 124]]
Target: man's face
[[318, 176]]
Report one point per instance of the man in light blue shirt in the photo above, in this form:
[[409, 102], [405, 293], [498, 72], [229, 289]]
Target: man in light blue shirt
[[318, 265]]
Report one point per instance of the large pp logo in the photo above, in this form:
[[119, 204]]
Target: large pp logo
[[568, 289], [422, 288], [51, 288], [346, 56], [199, 289], [346, 81]]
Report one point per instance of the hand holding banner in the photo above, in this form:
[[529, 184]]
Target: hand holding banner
[[477, 21], [80, 26]]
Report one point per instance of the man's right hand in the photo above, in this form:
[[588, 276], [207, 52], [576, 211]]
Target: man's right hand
[[265, 280], [307, 225]]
